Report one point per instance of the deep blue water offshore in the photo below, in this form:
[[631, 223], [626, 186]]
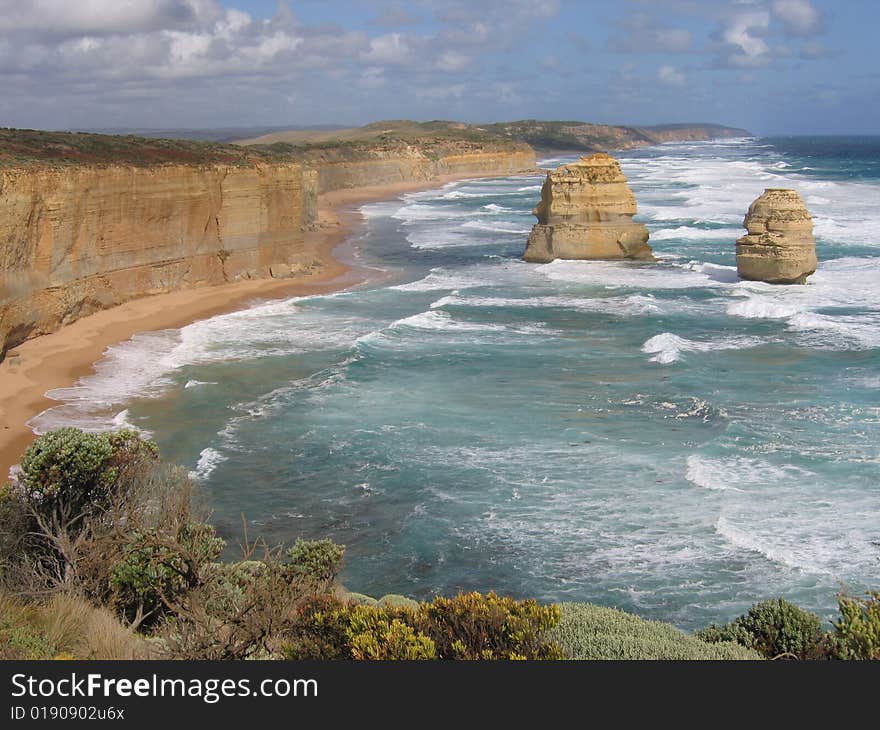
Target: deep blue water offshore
[[659, 437]]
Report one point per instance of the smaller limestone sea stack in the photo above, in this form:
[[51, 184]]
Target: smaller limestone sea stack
[[779, 247], [586, 212]]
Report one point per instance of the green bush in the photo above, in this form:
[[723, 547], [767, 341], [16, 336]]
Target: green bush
[[586, 631], [317, 560], [774, 628], [321, 630], [68, 474], [380, 634], [857, 634], [157, 570], [469, 626], [474, 626]]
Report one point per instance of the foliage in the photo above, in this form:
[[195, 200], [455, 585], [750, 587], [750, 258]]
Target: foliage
[[156, 571], [474, 626], [468, 626], [68, 474], [775, 628], [593, 632], [319, 559], [857, 634], [380, 634]]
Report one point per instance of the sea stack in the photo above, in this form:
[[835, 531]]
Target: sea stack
[[779, 247], [586, 212]]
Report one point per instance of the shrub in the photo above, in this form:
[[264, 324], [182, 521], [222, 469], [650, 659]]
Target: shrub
[[469, 626], [593, 632], [775, 628], [380, 634], [321, 630], [474, 626], [857, 634], [318, 560], [157, 569], [72, 472]]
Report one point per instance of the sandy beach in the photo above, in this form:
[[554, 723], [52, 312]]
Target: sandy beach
[[59, 359]]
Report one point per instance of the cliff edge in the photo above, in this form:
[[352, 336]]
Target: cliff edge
[[90, 221]]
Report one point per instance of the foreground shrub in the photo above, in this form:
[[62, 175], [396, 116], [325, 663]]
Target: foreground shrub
[[474, 626], [247, 610], [586, 631], [469, 626], [319, 560], [72, 474], [775, 628], [157, 569], [386, 634], [857, 634]]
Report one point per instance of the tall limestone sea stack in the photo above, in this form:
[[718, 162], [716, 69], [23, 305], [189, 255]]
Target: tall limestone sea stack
[[586, 212], [779, 247]]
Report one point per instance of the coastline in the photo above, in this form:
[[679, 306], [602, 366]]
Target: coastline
[[59, 359]]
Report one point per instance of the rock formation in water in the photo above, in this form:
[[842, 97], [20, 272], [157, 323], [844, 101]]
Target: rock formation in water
[[586, 212], [779, 247]]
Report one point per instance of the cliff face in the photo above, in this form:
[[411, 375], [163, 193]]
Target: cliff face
[[586, 212], [413, 164], [779, 246], [77, 237]]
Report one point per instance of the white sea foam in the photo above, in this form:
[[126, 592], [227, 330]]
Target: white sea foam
[[668, 347], [696, 234], [209, 460], [779, 549], [439, 320], [197, 383], [737, 473], [495, 227]]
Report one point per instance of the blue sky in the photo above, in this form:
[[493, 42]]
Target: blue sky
[[772, 66]]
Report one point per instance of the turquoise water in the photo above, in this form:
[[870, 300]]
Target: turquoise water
[[658, 437]]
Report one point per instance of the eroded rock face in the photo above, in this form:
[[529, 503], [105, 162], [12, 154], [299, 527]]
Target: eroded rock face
[[586, 212], [779, 247]]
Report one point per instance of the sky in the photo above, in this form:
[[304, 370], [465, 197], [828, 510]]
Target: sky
[[770, 66]]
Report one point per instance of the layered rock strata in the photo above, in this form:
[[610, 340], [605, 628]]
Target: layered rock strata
[[75, 239], [78, 239], [586, 212], [779, 247]]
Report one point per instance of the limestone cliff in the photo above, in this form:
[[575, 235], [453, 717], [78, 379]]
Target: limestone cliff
[[78, 239], [586, 212], [779, 247], [90, 221]]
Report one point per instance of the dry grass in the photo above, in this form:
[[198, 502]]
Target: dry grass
[[66, 625]]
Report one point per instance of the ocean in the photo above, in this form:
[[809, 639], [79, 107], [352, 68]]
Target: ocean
[[662, 437]]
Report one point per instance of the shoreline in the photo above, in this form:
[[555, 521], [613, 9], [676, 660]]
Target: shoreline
[[59, 359]]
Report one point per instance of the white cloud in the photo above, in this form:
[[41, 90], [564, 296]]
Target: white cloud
[[670, 76], [104, 17], [453, 61], [391, 48], [743, 35], [799, 16]]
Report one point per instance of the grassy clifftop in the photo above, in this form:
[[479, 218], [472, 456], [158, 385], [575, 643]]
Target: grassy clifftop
[[435, 139], [34, 148], [575, 135]]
